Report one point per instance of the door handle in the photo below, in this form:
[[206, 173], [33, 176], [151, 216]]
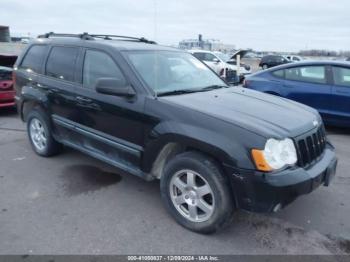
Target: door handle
[[83, 99]]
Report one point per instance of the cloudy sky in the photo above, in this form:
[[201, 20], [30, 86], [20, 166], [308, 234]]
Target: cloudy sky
[[281, 25]]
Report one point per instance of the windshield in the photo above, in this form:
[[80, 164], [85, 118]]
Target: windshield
[[222, 56], [166, 71]]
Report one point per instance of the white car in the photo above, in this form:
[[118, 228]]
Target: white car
[[221, 63], [293, 58]]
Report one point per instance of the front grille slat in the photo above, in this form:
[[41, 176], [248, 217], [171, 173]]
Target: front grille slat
[[311, 147]]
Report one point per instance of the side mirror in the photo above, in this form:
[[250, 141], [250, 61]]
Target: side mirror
[[215, 60], [114, 87]]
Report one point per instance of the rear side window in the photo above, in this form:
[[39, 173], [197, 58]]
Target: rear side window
[[341, 76], [34, 58], [200, 56], [61, 62], [98, 65], [310, 74]]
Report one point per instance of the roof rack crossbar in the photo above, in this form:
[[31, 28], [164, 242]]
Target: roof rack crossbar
[[87, 36], [110, 37]]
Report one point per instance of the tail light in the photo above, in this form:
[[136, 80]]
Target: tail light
[[13, 78]]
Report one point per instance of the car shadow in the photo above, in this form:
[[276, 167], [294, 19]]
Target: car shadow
[[8, 111], [334, 130]]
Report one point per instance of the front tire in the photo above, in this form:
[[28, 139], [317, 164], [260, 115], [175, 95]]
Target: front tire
[[196, 193], [40, 134], [264, 67]]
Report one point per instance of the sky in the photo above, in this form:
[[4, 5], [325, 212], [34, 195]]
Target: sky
[[269, 25]]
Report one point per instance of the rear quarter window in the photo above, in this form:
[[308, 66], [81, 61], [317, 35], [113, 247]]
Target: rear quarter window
[[34, 58], [278, 73]]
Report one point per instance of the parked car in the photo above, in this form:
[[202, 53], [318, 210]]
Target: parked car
[[348, 59], [323, 85], [221, 64], [272, 60], [160, 113], [7, 93], [293, 58]]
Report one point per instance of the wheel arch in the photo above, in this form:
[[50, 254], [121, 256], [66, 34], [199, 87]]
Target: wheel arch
[[159, 152], [31, 98]]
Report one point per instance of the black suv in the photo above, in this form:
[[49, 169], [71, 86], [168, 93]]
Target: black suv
[[160, 113], [272, 60]]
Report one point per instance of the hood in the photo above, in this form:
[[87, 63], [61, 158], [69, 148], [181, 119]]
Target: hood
[[239, 52], [7, 60], [263, 114]]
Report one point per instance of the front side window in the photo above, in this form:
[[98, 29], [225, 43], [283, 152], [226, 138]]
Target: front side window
[[310, 74], [34, 58], [61, 63], [166, 71], [341, 76], [99, 65]]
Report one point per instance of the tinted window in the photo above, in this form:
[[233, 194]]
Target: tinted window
[[97, 65], [61, 63], [341, 76], [200, 56], [34, 58], [278, 73], [311, 74]]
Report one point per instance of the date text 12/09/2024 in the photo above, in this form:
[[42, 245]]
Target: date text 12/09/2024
[[173, 258]]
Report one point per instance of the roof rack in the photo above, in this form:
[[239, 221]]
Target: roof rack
[[87, 36]]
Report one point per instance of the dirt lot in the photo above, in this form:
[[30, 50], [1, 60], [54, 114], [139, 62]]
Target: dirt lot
[[73, 204]]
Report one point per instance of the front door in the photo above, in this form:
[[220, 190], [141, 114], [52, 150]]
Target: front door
[[110, 126]]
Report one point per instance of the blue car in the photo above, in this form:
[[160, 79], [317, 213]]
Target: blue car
[[323, 85]]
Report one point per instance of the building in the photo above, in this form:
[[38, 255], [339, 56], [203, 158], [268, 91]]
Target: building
[[208, 44], [4, 34]]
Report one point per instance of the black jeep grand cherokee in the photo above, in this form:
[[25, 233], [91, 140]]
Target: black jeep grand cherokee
[[159, 113]]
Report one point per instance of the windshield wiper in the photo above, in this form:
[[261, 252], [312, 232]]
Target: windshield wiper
[[176, 92], [212, 87], [187, 91]]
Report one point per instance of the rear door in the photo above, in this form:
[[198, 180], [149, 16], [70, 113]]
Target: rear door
[[309, 85], [59, 83], [341, 95]]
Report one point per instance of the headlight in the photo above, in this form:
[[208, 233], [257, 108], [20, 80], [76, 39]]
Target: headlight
[[276, 154]]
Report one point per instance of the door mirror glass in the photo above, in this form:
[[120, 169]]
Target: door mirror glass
[[114, 86]]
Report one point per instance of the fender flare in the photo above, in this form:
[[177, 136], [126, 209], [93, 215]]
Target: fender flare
[[227, 151]]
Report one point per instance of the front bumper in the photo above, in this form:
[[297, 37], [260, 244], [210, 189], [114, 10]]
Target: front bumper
[[7, 98], [263, 192]]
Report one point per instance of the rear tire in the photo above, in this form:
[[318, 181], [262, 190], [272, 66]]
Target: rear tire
[[196, 193], [40, 134]]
